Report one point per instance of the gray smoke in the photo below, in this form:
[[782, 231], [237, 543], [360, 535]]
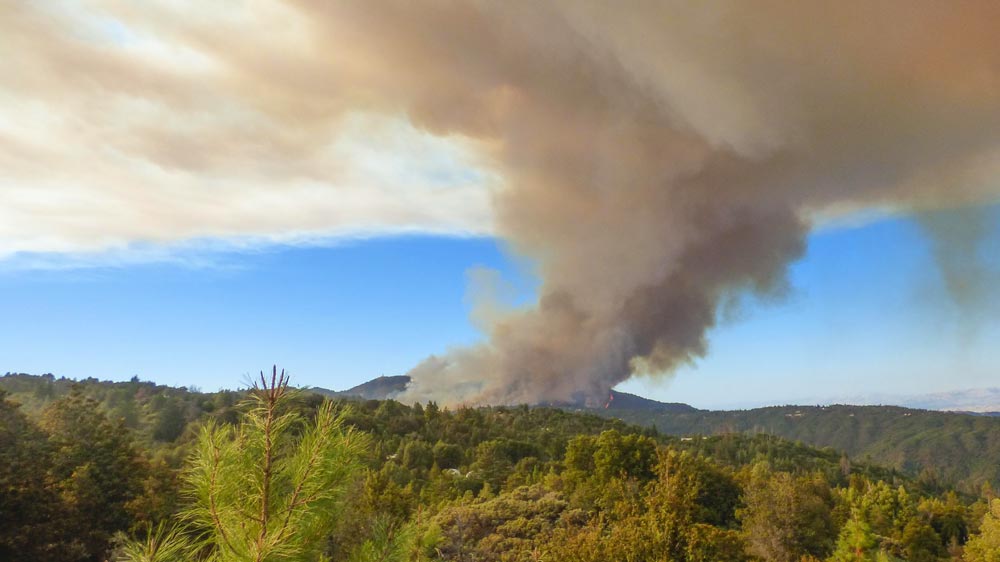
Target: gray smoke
[[660, 157], [958, 239]]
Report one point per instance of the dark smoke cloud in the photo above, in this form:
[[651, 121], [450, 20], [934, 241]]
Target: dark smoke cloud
[[660, 156], [657, 157]]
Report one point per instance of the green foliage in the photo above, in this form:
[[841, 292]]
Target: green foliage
[[856, 542], [985, 546], [948, 449], [269, 489], [509, 527], [698, 489], [161, 544], [785, 516], [447, 455], [706, 543], [29, 503], [96, 468], [387, 542], [689, 510], [920, 542], [390, 481], [170, 421], [159, 414], [624, 456], [418, 454]]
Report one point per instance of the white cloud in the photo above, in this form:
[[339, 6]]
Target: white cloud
[[121, 130]]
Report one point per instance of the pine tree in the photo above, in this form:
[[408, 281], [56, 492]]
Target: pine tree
[[265, 490], [856, 542]]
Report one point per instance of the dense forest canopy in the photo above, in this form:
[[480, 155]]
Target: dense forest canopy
[[93, 470], [961, 450]]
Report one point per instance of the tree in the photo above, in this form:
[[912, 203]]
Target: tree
[[418, 454], [170, 420], [267, 489], [856, 542], [920, 542], [447, 455], [28, 502], [706, 543], [687, 504], [692, 485], [506, 527], [786, 517], [985, 546], [96, 468], [624, 456]]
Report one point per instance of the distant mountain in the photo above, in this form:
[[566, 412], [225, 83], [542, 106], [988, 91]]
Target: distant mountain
[[631, 402], [979, 400], [984, 401], [383, 388]]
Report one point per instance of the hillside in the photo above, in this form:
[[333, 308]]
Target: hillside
[[384, 387], [941, 448], [476, 483], [495, 484], [632, 402], [947, 447], [381, 388], [952, 447]]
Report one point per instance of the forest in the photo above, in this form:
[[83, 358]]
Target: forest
[[958, 449], [133, 471]]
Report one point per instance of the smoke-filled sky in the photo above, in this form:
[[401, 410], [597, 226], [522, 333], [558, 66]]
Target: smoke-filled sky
[[653, 169]]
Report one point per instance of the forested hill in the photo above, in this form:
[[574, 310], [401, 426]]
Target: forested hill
[[380, 388], [383, 388], [960, 449], [940, 448], [83, 464]]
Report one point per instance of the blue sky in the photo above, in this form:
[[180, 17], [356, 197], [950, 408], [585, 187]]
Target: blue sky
[[335, 316], [867, 314]]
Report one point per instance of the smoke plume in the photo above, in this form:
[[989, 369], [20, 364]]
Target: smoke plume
[[959, 239], [656, 158], [661, 156]]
